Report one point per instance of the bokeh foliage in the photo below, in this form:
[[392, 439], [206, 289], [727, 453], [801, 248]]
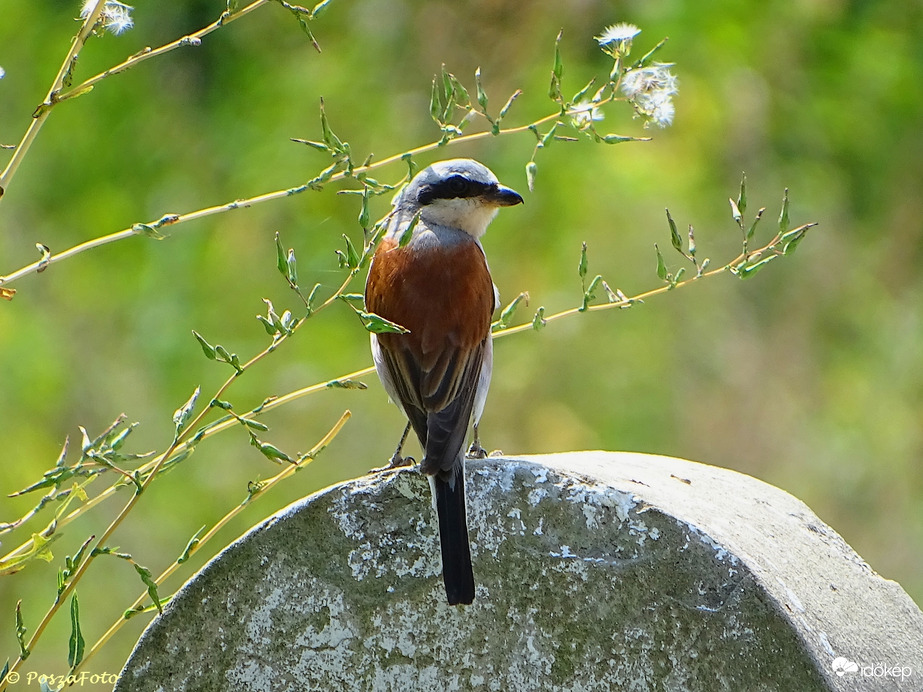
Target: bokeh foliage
[[808, 376]]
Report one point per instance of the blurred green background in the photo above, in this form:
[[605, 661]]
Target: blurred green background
[[809, 376]]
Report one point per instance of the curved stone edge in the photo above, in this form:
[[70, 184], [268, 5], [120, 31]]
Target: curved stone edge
[[852, 612]]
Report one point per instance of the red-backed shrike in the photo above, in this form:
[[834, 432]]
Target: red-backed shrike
[[437, 285]]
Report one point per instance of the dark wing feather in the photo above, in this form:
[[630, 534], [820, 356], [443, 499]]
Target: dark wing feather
[[447, 427]]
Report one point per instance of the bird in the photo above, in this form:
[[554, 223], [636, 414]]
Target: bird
[[429, 275]]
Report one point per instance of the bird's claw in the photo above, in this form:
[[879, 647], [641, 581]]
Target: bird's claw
[[476, 451], [396, 461]]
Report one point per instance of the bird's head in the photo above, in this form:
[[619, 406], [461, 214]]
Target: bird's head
[[458, 193]]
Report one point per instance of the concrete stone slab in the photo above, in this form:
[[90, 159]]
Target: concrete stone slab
[[595, 571]]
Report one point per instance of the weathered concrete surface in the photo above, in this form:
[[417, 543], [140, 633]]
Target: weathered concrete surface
[[595, 571]]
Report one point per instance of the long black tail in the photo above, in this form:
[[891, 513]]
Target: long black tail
[[453, 537]]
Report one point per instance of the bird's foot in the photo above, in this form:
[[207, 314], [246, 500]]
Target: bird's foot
[[476, 451], [396, 461]]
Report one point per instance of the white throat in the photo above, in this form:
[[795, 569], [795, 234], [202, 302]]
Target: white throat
[[465, 214]]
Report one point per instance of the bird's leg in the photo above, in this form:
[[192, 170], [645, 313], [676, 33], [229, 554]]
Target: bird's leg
[[396, 459], [476, 451]]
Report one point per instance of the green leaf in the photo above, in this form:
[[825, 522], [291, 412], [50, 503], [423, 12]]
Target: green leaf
[[183, 413], [5, 670], [75, 644], [506, 107], [674, 234], [128, 614], [661, 265], [461, 93], [756, 220], [330, 138], [291, 267], [745, 271], [735, 212], [742, 197], [190, 546], [268, 325], [558, 68], [318, 8], [145, 575], [538, 322], [113, 552], [254, 424], [791, 239], [618, 139], [346, 384], [647, 57], [85, 444], [320, 146], [447, 90], [435, 104], [783, 216], [351, 258], [407, 235], [312, 297], [280, 255], [207, 348], [582, 266], [364, 213], [271, 452], [581, 95], [379, 325], [72, 563], [506, 315], [20, 635], [590, 293], [482, 95]]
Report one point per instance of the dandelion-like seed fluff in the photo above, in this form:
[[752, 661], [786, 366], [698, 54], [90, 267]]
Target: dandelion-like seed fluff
[[116, 16], [651, 89], [618, 33]]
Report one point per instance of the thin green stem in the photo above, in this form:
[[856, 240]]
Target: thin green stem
[[41, 113], [155, 467], [148, 53], [174, 220], [220, 524]]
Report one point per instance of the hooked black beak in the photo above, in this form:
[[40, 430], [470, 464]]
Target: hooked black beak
[[504, 196]]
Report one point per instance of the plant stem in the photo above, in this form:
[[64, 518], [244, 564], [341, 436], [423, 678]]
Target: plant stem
[[54, 258], [147, 53], [41, 114], [278, 478]]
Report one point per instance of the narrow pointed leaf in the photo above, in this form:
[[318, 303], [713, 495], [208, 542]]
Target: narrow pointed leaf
[[742, 197], [674, 234], [735, 212], [20, 634], [207, 348], [482, 95], [280, 255], [661, 265], [75, 644], [756, 220], [783, 216], [582, 266], [407, 235]]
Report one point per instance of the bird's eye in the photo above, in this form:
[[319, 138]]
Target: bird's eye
[[457, 185]]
